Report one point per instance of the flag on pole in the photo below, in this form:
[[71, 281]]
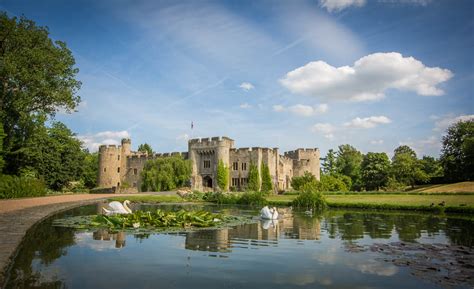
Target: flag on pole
[[192, 125]]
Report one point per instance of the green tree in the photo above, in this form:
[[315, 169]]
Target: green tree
[[222, 175], [267, 185], [348, 163], [53, 154], [329, 163], [431, 166], [145, 148], [91, 169], [457, 155], [404, 149], [37, 78], [406, 168], [375, 170], [2, 135], [166, 173], [298, 182], [332, 183], [254, 178]]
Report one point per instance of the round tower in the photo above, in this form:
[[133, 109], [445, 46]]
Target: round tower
[[109, 166]]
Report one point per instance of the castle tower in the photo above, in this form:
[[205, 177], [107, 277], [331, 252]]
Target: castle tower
[[305, 160], [124, 153], [205, 155], [109, 166]]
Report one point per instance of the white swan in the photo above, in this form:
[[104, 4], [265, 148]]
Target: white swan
[[267, 224], [117, 208], [269, 214]]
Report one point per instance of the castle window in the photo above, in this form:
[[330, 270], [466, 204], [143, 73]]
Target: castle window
[[244, 181], [235, 166], [244, 166], [207, 164], [135, 171], [105, 169], [118, 170], [235, 182], [134, 184], [118, 157], [118, 184]]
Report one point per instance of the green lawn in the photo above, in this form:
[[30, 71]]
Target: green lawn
[[453, 203], [413, 200], [446, 188]]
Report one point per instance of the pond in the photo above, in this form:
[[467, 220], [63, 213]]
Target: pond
[[337, 249]]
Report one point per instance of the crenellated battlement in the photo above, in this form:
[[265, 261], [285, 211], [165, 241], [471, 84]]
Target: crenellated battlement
[[213, 141], [298, 153], [108, 147]]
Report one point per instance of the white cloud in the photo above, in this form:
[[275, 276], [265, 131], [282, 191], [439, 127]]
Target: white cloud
[[246, 86], [367, 122], [245, 106], [430, 145], [442, 124], [278, 108], [303, 110], [367, 79], [338, 5], [92, 142], [326, 129], [376, 142]]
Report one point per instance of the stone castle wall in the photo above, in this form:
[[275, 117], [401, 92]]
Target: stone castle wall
[[120, 167]]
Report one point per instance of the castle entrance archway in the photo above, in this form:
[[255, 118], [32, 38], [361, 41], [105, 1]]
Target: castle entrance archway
[[207, 182]]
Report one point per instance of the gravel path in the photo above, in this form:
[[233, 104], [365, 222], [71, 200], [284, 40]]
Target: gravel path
[[17, 216]]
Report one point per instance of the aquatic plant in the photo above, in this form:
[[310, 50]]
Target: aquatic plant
[[160, 218]]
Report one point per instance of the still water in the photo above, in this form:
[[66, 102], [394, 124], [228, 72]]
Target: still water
[[338, 249]]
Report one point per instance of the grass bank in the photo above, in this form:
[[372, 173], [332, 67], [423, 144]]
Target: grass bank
[[445, 188], [453, 203]]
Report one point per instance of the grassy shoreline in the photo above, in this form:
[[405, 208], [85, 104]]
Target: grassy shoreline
[[454, 203]]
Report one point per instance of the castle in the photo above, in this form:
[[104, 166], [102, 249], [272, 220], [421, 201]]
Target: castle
[[120, 167]]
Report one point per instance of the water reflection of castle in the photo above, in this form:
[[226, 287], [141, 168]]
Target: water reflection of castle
[[261, 234], [105, 235]]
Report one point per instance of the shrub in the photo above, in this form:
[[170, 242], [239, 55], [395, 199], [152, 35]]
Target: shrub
[[252, 199], [254, 178], [332, 183], [222, 175], [19, 187], [267, 185], [220, 198], [298, 182], [394, 185], [247, 198], [310, 198]]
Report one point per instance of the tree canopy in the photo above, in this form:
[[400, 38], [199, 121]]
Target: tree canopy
[[406, 168], [375, 170], [165, 173], [145, 148], [348, 163], [37, 78], [457, 155]]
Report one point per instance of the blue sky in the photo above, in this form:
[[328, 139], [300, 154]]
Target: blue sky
[[288, 74]]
